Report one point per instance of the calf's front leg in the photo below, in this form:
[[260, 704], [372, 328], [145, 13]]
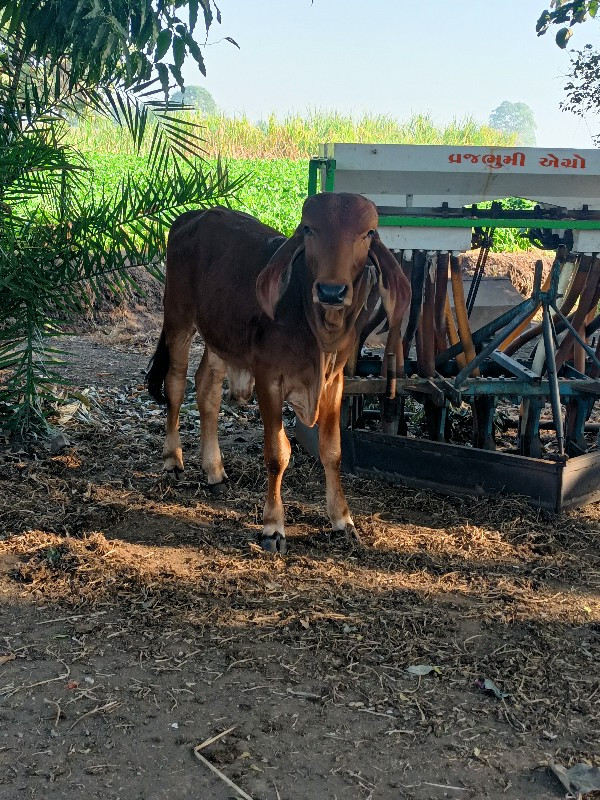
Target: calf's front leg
[[330, 452], [277, 457]]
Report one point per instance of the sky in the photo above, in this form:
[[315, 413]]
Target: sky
[[448, 58]]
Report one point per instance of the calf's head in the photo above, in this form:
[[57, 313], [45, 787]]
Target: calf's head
[[338, 240]]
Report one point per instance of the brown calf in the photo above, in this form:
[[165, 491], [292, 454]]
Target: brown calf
[[280, 314]]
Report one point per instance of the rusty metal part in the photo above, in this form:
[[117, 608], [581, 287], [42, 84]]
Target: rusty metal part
[[578, 351], [560, 327], [561, 256], [393, 347], [564, 280], [577, 285], [593, 326], [419, 345], [390, 386], [552, 367], [594, 370], [517, 315], [453, 333], [417, 281], [426, 329], [523, 326], [585, 305], [460, 309], [439, 304], [390, 405]]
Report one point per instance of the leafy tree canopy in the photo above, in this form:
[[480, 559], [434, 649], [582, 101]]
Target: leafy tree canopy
[[566, 13], [62, 242], [104, 40], [515, 118], [198, 97], [583, 90]]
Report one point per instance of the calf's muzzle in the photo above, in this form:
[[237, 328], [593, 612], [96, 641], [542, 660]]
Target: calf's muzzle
[[331, 294]]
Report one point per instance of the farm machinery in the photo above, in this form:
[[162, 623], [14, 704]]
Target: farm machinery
[[533, 362]]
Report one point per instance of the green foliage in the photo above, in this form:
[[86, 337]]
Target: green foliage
[[96, 42], [515, 118], [272, 190], [571, 12], [510, 239], [196, 97], [583, 90], [63, 237]]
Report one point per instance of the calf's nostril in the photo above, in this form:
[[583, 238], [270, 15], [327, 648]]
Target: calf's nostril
[[331, 293]]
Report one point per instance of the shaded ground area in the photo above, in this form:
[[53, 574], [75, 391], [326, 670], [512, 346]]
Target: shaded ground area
[[140, 619]]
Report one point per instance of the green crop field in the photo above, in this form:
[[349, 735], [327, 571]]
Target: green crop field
[[298, 137], [273, 155]]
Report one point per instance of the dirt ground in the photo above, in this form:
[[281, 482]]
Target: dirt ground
[[141, 619]]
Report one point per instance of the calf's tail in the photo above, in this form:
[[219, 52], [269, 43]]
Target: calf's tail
[[157, 370]]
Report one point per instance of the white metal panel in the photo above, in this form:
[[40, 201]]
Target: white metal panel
[[586, 241], [397, 238], [463, 175]]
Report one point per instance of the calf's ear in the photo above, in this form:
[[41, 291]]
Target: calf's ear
[[394, 287], [273, 280]]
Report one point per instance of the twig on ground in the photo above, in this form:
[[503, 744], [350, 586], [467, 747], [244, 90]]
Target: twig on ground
[[106, 707], [214, 769], [445, 786]]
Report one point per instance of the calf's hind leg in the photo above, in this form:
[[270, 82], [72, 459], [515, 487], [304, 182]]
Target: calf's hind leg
[[209, 385], [175, 380]]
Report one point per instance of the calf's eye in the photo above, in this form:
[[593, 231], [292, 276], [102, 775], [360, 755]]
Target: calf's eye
[[306, 231]]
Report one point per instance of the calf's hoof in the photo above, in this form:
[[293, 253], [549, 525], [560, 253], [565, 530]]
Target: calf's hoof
[[218, 489], [171, 476], [349, 534], [276, 543]]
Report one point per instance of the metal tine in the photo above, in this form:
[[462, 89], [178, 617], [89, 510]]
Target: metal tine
[[537, 276], [460, 309], [552, 376], [576, 335], [426, 329], [439, 303], [531, 305], [481, 334], [414, 315], [479, 270]]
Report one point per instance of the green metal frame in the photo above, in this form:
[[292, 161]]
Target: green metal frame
[[314, 165]]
